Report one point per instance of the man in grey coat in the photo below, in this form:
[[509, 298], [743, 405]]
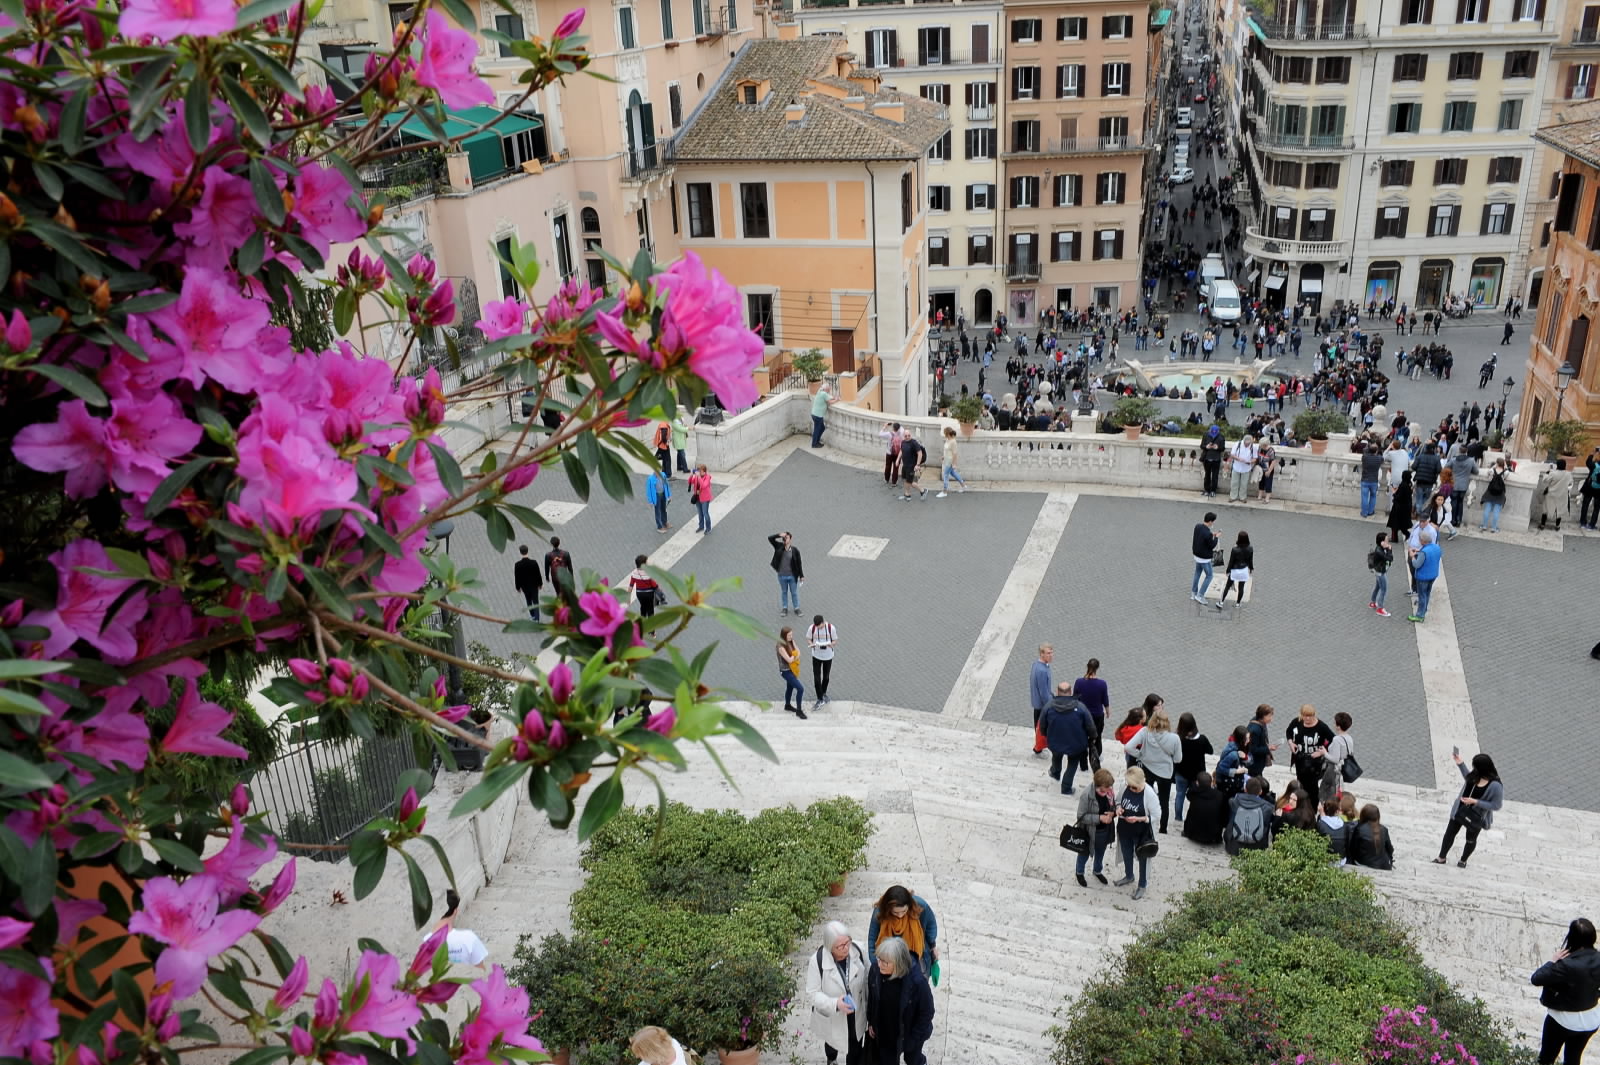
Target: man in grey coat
[[1462, 467]]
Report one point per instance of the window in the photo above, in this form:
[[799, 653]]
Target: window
[[1415, 12], [1294, 69], [1072, 29], [1108, 244], [1282, 223], [1406, 117], [1116, 27], [1333, 70], [908, 199], [1577, 341], [1449, 171], [1528, 10], [938, 251], [697, 195], [1064, 248], [625, 32], [1025, 30], [1411, 66], [511, 26], [1111, 187], [672, 198], [1580, 81], [1445, 221], [1505, 168], [1552, 323], [1322, 176], [747, 94], [1114, 130], [1472, 10], [1589, 32], [1069, 80], [980, 197], [1285, 173], [675, 104], [1068, 190], [562, 230], [933, 46], [883, 48], [1594, 223], [981, 143], [1025, 135], [1025, 191], [1318, 225], [1496, 218], [753, 208], [940, 152], [980, 250], [666, 20], [1458, 116], [1024, 83], [519, 147], [1567, 203], [1391, 222], [509, 289], [1510, 115], [1114, 79], [759, 307], [1287, 120], [938, 197], [1521, 64], [1327, 124], [733, 14], [980, 100], [1396, 172], [1023, 251], [1465, 66], [980, 42], [938, 92]]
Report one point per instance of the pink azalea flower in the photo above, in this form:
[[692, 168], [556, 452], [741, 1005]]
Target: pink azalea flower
[[322, 206], [290, 475], [282, 887], [83, 601], [198, 728], [166, 20], [388, 1010], [605, 614], [143, 437], [570, 22], [13, 931], [561, 682], [662, 721], [216, 330], [520, 478], [327, 1007], [26, 1015], [229, 870], [423, 960], [301, 1043], [184, 917], [702, 318], [503, 318], [502, 1019], [18, 334], [446, 66], [225, 216], [74, 443], [619, 336], [294, 985]]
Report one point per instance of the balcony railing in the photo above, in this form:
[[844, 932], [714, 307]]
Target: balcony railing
[[1311, 142], [1083, 146], [1022, 270], [406, 177], [642, 163], [981, 113], [1258, 244], [992, 57], [1326, 31], [1586, 36]]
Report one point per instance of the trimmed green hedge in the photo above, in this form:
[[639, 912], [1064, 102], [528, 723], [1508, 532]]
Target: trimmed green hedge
[[687, 921], [1296, 958]]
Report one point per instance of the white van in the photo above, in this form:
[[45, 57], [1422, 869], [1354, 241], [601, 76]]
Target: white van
[[1185, 117], [1211, 268], [1222, 300]]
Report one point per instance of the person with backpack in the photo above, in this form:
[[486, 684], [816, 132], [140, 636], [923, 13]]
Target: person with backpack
[[1379, 559], [558, 570], [1233, 765], [836, 984], [657, 491], [891, 436], [1571, 983], [1249, 820], [1207, 811], [1494, 497], [1589, 510], [662, 442]]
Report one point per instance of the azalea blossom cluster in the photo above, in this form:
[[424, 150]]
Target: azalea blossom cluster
[[192, 482]]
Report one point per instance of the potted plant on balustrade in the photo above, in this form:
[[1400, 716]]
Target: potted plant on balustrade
[[1563, 438], [1132, 412], [813, 365], [1314, 425], [966, 410], [739, 1007]]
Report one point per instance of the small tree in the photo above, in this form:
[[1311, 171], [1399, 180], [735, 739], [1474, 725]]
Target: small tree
[[1563, 437], [1318, 422], [811, 363]]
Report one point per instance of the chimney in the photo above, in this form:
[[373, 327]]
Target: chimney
[[856, 103], [795, 112], [894, 111]]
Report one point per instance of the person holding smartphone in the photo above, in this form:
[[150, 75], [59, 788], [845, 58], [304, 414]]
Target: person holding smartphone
[[836, 984], [1571, 995]]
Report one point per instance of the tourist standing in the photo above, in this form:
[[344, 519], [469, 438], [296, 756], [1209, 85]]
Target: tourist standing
[[836, 984], [1462, 468], [1261, 748], [819, 414], [657, 491], [1400, 507], [558, 570], [912, 457], [1067, 727], [902, 914], [644, 586], [1494, 497], [663, 445], [1371, 464], [948, 468], [890, 435], [1192, 763], [1137, 809], [1204, 544], [1211, 447], [791, 574], [1571, 995], [789, 673], [525, 576], [1040, 692], [1379, 559], [1481, 795], [1244, 455], [1429, 562], [821, 638], [1309, 738], [1096, 697], [1241, 568], [899, 1006], [1157, 751], [1097, 811], [700, 496], [680, 441]]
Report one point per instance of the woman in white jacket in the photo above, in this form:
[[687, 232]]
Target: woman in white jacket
[[1158, 751], [836, 984]]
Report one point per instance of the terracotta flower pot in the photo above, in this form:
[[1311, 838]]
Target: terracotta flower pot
[[561, 1057], [967, 428], [814, 386], [836, 888], [747, 1056], [1131, 431], [1319, 447]]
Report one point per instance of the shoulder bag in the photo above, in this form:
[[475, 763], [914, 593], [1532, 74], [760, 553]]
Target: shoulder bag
[[1350, 769], [1075, 837]]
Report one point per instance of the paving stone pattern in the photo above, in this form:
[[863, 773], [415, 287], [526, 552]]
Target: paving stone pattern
[[1117, 590]]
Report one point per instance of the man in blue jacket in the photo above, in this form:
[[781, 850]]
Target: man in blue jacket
[[1067, 727], [1429, 560], [657, 490], [1039, 693]]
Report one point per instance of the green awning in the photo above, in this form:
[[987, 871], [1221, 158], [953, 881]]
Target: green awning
[[1161, 18], [484, 156], [1256, 29]]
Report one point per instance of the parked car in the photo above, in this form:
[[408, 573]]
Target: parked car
[[1199, 97], [1185, 117], [1182, 175]]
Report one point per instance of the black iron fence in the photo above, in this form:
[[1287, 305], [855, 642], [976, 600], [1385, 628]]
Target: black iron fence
[[406, 176], [324, 791]]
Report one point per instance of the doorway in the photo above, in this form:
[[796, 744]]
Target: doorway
[[843, 344], [1105, 298], [942, 301], [1063, 300], [1021, 301], [983, 307], [1434, 284]]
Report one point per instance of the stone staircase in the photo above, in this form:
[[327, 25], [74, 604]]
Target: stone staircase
[[967, 817]]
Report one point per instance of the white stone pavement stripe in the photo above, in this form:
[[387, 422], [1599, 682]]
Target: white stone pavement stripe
[[981, 674], [1444, 686]]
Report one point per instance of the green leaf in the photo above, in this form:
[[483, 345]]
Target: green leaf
[[421, 894], [95, 844], [576, 476], [746, 733], [366, 846], [129, 563], [449, 470], [269, 198], [67, 244], [70, 122], [252, 253], [227, 982], [259, 10], [331, 595], [344, 310], [248, 111], [262, 1056], [15, 702], [13, 668], [73, 382], [150, 301], [487, 790], [175, 853], [197, 113], [460, 14], [38, 883], [602, 806], [614, 475], [23, 775], [444, 859], [498, 528], [175, 483], [130, 1000], [656, 746], [370, 873]]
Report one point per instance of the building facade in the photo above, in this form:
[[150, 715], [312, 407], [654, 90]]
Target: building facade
[[1388, 148]]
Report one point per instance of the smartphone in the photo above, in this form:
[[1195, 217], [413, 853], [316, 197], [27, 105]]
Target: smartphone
[[1455, 752], [850, 1001]]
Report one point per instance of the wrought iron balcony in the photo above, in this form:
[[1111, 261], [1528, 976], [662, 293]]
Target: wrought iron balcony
[[1022, 270]]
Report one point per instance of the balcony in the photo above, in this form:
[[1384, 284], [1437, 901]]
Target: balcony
[[1275, 30], [1303, 142], [992, 57], [981, 113], [645, 163], [1590, 37], [1265, 247], [1022, 270], [406, 177], [1082, 146]]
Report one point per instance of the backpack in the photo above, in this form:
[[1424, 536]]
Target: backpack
[[1248, 828], [663, 436], [1594, 476], [1497, 484]]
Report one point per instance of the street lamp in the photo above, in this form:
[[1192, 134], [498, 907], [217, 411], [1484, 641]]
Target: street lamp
[[1564, 376], [1506, 387]]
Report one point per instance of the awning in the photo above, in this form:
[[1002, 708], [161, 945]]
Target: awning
[[1311, 284], [484, 156], [1252, 278], [1249, 260], [1255, 29], [1162, 17], [1275, 280]]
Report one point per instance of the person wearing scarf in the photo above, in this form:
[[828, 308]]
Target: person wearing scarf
[[900, 914]]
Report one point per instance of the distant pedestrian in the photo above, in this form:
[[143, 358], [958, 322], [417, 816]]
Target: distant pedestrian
[[1244, 455], [680, 441], [1379, 559], [819, 414], [1261, 748], [1040, 691], [1097, 811], [891, 437], [821, 638], [1400, 506], [1068, 728], [1505, 338], [1309, 738], [526, 576], [1340, 751], [1371, 466], [1429, 560], [657, 491], [948, 467], [1096, 697], [462, 945], [644, 586], [1157, 750], [700, 496], [662, 442], [558, 570], [789, 673], [1481, 795], [1204, 544], [1211, 447], [791, 574], [912, 458], [1137, 807], [1241, 568], [1195, 748]]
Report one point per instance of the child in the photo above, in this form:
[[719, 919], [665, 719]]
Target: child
[[1347, 808]]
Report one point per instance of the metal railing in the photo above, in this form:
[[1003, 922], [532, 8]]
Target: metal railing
[[1586, 36], [953, 59], [981, 112], [325, 791], [1087, 145], [642, 162], [1022, 270], [406, 176], [1327, 31], [1315, 142]]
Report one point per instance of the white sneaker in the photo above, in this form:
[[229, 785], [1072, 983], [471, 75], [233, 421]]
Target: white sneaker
[[942, 495]]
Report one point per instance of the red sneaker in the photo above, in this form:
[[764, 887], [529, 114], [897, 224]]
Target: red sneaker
[[1382, 613]]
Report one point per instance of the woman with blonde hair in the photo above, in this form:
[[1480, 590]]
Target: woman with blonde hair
[[1137, 808], [654, 1045], [1158, 750]]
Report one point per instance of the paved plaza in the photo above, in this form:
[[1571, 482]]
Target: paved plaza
[[946, 618]]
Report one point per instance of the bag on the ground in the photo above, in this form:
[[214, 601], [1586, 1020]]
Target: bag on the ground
[[1075, 837], [1248, 828]]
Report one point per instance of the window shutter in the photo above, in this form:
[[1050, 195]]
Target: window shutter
[[894, 47], [872, 39], [1105, 79], [1016, 82], [1116, 246], [1511, 210], [980, 43], [922, 47], [1394, 116], [968, 90], [1427, 10], [1439, 166], [1472, 116]]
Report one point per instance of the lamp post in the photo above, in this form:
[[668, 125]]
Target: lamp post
[[1564, 376]]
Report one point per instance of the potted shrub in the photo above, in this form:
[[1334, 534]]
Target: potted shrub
[[966, 410], [559, 975], [812, 365], [1563, 437], [842, 828], [738, 1006], [1315, 424], [1131, 412]]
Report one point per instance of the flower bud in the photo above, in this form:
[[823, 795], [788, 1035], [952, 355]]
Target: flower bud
[[360, 688], [282, 886], [423, 961], [340, 668], [408, 804], [454, 714], [520, 478], [327, 1011], [437, 994], [533, 727], [558, 736], [662, 721], [18, 334], [239, 802], [305, 671], [337, 688], [300, 1042], [294, 985], [561, 683]]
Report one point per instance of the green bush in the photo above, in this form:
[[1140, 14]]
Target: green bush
[[1303, 949], [688, 923]]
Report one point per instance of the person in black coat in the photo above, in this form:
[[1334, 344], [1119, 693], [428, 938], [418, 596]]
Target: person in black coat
[[528, 581], [899, 1006], [1571, 982], [1368, 843], [1206, 813], [791, 574]]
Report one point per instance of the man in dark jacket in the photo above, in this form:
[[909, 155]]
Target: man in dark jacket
[[1205, 542], [1206, 813], [558, 571], [1424, 475], [1067, 728], [528, 581], [791, 575], [1249, 820]]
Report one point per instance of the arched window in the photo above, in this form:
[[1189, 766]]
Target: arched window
[[590, 219]]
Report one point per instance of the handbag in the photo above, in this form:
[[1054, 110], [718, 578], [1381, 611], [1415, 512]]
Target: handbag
[[1075, 837], [1147, 850], [1351, 770], [660, 597], [1474, 818], [1217, 558]]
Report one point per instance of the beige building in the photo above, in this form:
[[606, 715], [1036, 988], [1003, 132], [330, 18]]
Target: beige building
[[1389, 148], [804, 182]]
